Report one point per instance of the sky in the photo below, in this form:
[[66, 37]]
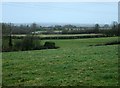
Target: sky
[[60, 12], [119, 12], [60, 0]]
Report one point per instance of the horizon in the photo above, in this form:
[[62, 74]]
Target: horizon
[[60, 24]]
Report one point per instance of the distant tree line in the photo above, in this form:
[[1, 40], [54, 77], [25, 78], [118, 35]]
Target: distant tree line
[[109, 30]]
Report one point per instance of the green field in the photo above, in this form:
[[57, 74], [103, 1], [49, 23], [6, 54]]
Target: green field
[[74, 63], [58, 35]]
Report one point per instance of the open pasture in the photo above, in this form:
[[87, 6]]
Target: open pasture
[[75, 63]]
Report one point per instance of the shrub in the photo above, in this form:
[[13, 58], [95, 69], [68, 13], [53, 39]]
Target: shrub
[[28, 43], [5, 44], [18, 45], [49, 45]]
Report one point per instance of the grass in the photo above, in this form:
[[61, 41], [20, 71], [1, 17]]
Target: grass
[[75, 63], [59, 35], [64, 35]]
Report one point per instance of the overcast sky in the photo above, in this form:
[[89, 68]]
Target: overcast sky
[[60, 12]]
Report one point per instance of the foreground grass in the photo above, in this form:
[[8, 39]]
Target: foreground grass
[[74, 63]]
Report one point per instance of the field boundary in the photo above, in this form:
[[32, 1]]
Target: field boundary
[[63, 37]]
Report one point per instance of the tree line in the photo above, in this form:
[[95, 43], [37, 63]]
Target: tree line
[[31, 42], [110, 30]]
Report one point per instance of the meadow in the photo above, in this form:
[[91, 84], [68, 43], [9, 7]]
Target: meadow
[[59, 36], [75, 63]]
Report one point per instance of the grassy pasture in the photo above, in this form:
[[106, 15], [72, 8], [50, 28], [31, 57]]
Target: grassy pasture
[[55, 35], [60, 36], [74, 63]]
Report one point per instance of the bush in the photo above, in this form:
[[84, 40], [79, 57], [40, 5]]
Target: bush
[[5, 44], [49, 45], [18, 45], [28, 43]]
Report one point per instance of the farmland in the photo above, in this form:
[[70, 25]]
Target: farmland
[[74, 63], [59, 36]]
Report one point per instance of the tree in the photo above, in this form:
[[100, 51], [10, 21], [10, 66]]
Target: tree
[[114, 25], [7, 36], [106, 26], [33, 27], [114, 28], [10, 35], [96, 28], [119, 29]]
